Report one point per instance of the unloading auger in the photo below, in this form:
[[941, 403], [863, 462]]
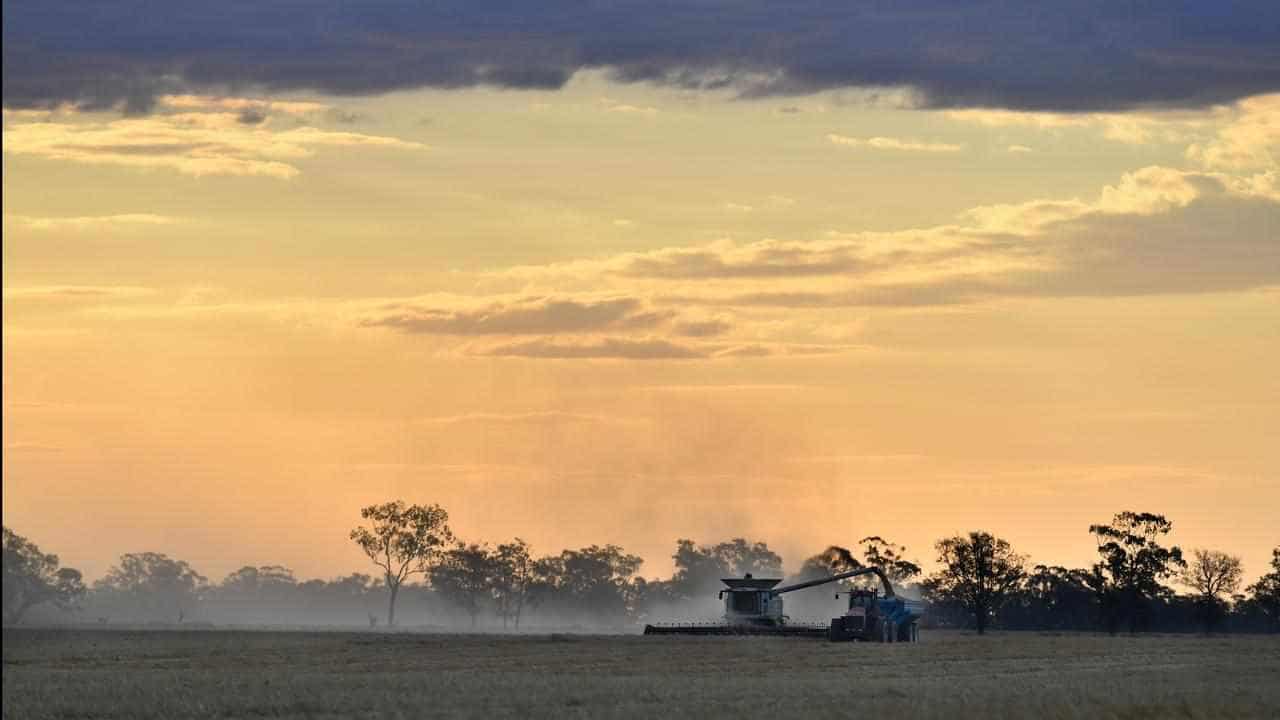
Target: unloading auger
[[753, 606]]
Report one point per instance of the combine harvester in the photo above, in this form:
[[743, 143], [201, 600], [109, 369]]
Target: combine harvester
[[753, 606]]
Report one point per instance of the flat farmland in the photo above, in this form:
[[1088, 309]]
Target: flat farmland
[[221, 674]]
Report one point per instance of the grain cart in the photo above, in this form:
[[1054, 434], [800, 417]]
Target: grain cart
[[753, 606]]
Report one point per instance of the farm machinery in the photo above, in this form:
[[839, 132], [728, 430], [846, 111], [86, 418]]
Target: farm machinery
[[753, 606]]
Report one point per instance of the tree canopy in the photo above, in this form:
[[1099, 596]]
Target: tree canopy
[[402, 540], [1133, 565], [977, 571], [32, 577]]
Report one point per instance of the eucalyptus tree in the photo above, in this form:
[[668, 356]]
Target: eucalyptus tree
[[402, 541], [1133, 565], [978, 572]]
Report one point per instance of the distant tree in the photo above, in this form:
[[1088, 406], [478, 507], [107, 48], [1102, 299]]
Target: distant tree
[[699, 568], [513, 576], [155, 583], [834, 560], [32, 577], [595, 580], [403, 540], [742, 556], [257, 581], [978, 572], [1265, 593], [876, 552], [1214, 576], [891, 558], [466, 575], [1055, 598], [546, 581], [1133, 564]]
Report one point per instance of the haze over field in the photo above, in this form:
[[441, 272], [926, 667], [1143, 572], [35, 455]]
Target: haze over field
[[616, 279]]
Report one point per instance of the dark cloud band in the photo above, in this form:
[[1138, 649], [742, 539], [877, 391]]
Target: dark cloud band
[[1052, 55]]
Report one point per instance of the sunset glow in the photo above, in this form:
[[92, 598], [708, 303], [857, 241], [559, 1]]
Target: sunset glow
[[629, 308]]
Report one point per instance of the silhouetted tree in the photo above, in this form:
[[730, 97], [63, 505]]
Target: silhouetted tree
[[513, 574], [977, 572], [835, 559], [1214, 576], [257, 582], [699, 568], [1265, 593], [595, 580], [404, 540], [742, 556], [546, 580], [1052, 598], [891, 558], [155, 584], [466, 575], [876, 552], [32, 577], [1132, 566]]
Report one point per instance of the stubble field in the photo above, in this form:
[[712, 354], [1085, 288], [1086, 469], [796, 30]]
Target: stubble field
[[205, 674]]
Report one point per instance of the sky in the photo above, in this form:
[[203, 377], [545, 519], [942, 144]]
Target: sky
[[632, 272]]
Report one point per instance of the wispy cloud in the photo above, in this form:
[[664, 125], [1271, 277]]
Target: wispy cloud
[[91, 222], [889, 143], [537, 418], [214, 103], [1134, 128], [76, 292], [596, 348], [516, 316], [196, 144], [614, 106]]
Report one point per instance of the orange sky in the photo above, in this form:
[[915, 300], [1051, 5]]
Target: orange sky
[[629, 314]]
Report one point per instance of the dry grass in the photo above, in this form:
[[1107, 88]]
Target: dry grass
[[83, 674]]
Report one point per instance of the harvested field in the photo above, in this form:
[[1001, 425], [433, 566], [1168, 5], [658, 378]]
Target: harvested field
[[204, 674]]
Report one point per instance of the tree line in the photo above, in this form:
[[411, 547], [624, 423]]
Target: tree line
[[417, 561]]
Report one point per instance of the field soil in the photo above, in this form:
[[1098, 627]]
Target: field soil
[[221, 674]]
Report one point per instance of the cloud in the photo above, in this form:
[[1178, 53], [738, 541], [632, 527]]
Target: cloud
[[1249, 141], [724, 259], [1134, 128], [538, 418], [91, 222], [647, 349], [888, 143], [617, 107], [615, 348], [1058, 55], [523, 316], [76, 292], [702, 328], [212, 103], [1154, 230], [199, 144]]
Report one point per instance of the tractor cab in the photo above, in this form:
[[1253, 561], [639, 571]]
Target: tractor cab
[[876, 618]]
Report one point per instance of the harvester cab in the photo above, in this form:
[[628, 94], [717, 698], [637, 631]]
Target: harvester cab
[[752, 601]]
